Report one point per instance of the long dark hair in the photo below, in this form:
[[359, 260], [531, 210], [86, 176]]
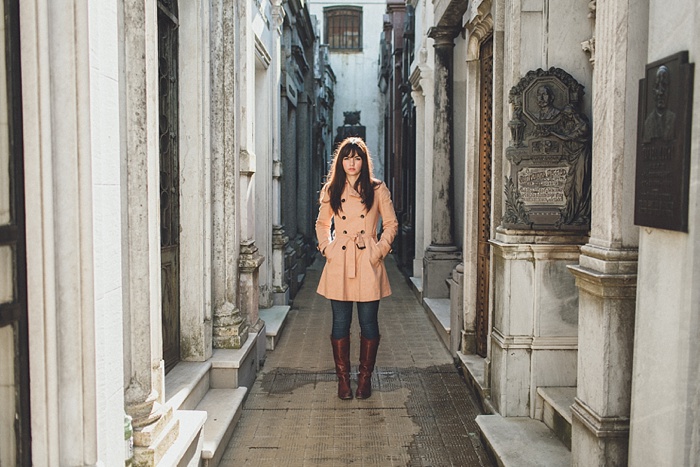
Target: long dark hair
[[336, 179]]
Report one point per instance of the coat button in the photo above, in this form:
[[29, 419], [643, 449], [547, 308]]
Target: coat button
[[345, 232], [343, 247], [343, 217], [361, 216]]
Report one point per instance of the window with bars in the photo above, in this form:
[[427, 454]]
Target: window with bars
[[343, 28]]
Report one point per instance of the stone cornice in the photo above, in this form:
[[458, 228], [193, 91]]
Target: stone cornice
[[443, 35], [615, 286], [449, 12]]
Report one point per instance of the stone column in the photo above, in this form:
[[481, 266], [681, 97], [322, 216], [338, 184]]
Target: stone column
[[143, 367], [607, 271], [249, 259], [280, 289], [422, 94], [230, 330], [442, 255]]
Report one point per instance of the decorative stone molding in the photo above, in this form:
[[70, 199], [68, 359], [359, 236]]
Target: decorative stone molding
[[592, 5], [589, 47], [601, 427], [479, 27], [278, 15]]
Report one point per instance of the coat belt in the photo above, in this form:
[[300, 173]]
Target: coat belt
[[353, 244]]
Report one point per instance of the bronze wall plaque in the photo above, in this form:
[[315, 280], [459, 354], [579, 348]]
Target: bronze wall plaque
[[663, 144], [549, 185]]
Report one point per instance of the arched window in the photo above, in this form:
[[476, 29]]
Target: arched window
[[343, 27]]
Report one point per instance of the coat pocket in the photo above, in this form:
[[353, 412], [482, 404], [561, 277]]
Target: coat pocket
[[375, 254], [330, 249]]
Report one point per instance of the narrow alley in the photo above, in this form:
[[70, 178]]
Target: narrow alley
[[421, 412]]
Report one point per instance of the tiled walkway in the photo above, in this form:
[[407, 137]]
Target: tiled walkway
[[421, 413]]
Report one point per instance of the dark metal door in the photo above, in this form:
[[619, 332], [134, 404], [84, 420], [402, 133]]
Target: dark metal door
[[483, 257], [14, 346], [169, 179]]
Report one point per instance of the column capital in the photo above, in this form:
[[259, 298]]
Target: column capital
[[443, 35]]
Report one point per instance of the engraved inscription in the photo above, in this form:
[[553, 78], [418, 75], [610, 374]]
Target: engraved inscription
[[543, 186]]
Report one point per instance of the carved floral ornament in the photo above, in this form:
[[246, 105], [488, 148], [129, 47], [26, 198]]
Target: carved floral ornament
[[549, 153]]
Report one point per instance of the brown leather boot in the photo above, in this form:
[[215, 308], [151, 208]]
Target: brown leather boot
[[341, 355], [368, 355]]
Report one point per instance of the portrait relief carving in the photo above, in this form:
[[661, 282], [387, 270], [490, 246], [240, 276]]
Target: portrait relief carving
[[663, 144], [549, 153]]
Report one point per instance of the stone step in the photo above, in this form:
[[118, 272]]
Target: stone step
[[223, 407], [473, 369], [186, 384], [186, 450], [555, 404], [438, 310], [275, 319], [522, 442], [232, 368]]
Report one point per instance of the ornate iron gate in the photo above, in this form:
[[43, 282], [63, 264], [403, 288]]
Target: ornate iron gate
[[484, 250], [14, 345], [169, 179]]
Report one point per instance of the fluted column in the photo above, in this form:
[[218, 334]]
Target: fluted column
[[442, 255]]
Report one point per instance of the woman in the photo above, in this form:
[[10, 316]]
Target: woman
[[353, 201]]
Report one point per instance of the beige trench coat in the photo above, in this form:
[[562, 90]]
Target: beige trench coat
[[351, 273]]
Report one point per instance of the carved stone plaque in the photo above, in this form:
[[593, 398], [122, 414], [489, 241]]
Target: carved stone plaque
[[549, 185], [663, 144]]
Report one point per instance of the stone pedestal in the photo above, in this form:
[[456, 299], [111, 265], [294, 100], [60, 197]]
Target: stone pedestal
[[438, 263], [607, 282], [230, 328], [535, 324], [280, 289], [249, 265]]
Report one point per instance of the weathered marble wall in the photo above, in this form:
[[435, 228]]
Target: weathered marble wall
[[665, 413]]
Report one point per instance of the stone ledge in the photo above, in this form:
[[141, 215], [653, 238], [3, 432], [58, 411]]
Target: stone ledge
[[224, 407], [522, 442], [473, 370], [554, 403], [187, 447], [232, 368], [186, 384], [560, 398], [438, 310], [275, 319]]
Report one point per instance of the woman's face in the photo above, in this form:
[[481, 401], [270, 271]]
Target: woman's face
[[352, 164]]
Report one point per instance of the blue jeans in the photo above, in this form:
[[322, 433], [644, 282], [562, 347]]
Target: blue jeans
[[342, 319]]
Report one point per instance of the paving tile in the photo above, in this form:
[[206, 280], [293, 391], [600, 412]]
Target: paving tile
[[421, 412]]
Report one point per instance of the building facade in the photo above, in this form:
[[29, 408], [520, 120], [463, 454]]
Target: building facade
[[350, 32], [564, 253], [141, 217]]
